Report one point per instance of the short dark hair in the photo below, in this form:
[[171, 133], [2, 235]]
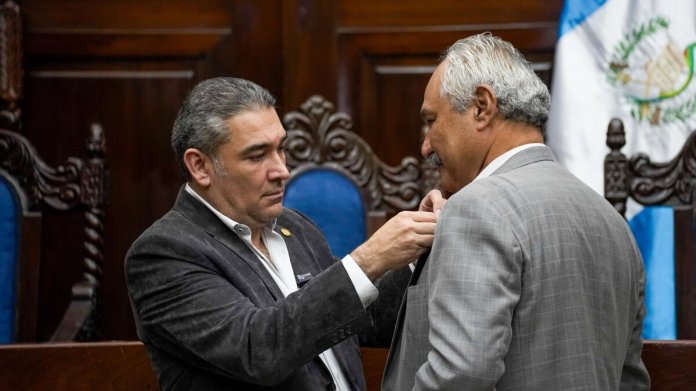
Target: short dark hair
[[201, 120]]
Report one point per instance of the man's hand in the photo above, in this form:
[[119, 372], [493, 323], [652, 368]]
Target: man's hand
[[398, 242], [433, 202]]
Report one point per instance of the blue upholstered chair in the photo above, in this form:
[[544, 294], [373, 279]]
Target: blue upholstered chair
[[338, 182], [334, 202], [29, 187], [8, 256]]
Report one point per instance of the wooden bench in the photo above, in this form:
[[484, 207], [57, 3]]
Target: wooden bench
[[125, 366], [108, 366]]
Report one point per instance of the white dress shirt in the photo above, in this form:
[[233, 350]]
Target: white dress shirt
[[500, 160], [280, 268]]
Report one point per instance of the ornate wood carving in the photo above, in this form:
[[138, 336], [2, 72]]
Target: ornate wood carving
[[77, 184], [670, 183], [57, 188], [615, 180], [318, 135], [648, 182], [83, 309], [10, 65]]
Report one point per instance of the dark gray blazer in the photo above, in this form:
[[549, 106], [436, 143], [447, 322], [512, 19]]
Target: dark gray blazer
[[212, 318]]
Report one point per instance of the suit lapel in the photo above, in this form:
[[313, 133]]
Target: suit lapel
[[419, 268], [305, 264], [195, 211], [242, 251]]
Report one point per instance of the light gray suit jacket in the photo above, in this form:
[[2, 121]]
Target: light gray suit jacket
[[534, 283]]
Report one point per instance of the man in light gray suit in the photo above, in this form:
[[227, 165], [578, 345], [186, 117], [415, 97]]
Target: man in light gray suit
[[231, 291], [534, 282]]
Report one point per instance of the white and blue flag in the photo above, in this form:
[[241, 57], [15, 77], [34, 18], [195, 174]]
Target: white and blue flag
[[633, 60]]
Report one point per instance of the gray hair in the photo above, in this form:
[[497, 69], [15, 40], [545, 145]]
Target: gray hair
[[486, 59], [201, 120]]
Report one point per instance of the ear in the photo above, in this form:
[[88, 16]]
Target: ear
[[485, 104], [199, 166]]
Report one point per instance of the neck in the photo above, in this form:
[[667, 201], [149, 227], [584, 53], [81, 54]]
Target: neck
[[255, 227], [510, 135], [256, 236], [258, 242]]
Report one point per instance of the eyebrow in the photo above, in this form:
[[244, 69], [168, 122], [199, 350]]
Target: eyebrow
[[261, 146]]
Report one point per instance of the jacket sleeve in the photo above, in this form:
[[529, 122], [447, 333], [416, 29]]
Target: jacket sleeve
[[385, 309], [634, 375], [473, 286]]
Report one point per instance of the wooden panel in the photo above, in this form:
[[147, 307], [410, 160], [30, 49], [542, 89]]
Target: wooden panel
[[379, 111], [125, 366], [373, 365], [136, 14], [685, 271], [381, 14], [125, 28], [128, 65], [309, 51], [144, 176], [383, 74], [76, 366], [671, 365]]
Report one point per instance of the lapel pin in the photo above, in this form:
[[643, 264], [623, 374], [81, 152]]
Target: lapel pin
[[285, 232]]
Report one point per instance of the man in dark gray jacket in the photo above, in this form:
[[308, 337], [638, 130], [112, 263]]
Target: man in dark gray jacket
[[219, 284]]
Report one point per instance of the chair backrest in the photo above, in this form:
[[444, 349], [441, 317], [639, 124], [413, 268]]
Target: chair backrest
[[335, 203], [338, 181], [8, 256], [660, 183], [29, 187]]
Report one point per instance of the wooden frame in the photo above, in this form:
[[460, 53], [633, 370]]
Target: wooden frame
[[671, 183], [125, 366], [76, 366], [77, 185]]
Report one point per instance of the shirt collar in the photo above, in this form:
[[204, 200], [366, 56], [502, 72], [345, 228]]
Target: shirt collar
[[238, 228], [502, 159]]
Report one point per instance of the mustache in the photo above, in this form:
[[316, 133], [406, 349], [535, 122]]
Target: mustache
[[433, 160]]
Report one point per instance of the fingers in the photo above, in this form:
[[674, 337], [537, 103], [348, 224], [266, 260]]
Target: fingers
[[396, 243], [425, 228], [418, 217], [433, 202], [438, 201], [424, 242]]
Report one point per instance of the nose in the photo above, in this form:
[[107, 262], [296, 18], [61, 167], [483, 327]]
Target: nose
[[426, 150], [279, 171]]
